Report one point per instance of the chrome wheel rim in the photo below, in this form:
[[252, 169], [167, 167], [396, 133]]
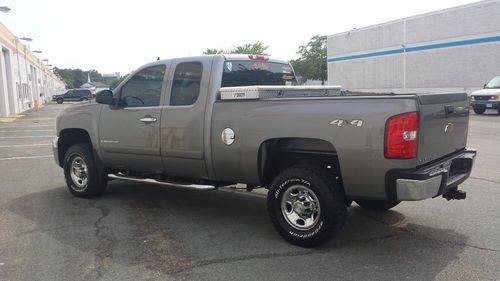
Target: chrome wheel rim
[[79, 173], [300, 207]]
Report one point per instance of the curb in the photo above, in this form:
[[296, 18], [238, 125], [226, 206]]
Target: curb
[[10, 119]]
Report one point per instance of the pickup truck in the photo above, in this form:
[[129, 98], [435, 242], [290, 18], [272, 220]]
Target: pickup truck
[[212, 121], [487, 98]]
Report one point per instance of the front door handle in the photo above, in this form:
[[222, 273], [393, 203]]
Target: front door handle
[[148, 119]]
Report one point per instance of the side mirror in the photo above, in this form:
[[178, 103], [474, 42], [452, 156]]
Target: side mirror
[[484, 86], [104, 97]]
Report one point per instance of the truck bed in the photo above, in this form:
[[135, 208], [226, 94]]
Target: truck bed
[[259, 114]]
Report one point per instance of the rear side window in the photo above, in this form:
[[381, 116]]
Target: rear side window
[[144, 88], [256, 72], [83, 93], [186, 83]]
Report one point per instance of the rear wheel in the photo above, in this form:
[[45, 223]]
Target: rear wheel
[[306, 205], [479, 110], [377, 205], [59, 100], [81, 174]]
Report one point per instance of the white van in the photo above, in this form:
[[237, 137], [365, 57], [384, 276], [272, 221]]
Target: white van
[[488, 97]]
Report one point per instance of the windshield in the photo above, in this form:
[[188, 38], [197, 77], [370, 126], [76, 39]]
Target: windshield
[[494, 83], [251, 73]]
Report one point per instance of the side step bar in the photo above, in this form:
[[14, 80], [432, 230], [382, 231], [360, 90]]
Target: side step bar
[[120, 176]]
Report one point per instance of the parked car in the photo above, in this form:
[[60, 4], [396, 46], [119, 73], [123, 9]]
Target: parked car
[[210, 121], [73, 95], [487, 98]]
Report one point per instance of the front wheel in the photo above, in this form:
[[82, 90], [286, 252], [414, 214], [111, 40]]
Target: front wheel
[[377, 205], [81, 174], [479, 110], [59, 101], [306, 205]]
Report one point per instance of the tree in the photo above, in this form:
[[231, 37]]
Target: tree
[[117, 82], [257, 48], [213, 51], [312, 61], [74, 78]]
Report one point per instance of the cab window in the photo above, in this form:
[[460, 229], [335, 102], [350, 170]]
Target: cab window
[[186, 83], [144, 88]]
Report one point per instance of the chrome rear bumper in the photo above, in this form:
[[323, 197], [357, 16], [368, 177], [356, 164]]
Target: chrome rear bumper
[[431, 180]]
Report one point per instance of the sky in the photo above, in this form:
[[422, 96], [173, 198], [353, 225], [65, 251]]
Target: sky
[[119, 36]]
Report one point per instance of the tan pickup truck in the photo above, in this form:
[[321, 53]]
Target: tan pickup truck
[[210, 121]]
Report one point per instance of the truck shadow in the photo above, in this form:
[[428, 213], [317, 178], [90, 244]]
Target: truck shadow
[[174, 231]]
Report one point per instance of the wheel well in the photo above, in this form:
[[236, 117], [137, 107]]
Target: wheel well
[[275, 155], [69, 137]]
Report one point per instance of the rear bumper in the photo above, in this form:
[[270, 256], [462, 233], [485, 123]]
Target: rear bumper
[[485, 104], [430, 180]]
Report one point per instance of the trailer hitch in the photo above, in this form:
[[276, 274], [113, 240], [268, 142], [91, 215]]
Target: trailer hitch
[[455, 194]]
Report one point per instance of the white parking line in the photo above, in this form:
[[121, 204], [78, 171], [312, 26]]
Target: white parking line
[[27, 137], [23, 145], [26, 157], [28, 126], [19, 131]]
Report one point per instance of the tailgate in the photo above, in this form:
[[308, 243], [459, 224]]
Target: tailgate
[[444, 121]]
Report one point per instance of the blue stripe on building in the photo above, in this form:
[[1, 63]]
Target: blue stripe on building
[[419, 48]]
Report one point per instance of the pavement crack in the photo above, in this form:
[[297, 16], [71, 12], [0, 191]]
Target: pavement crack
[[245, 258], [422, 236], [376, 238], [484, 179], [402, 227], [104, 251], [49, 229]]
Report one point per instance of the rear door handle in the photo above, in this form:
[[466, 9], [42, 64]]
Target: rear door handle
[[148, 119]]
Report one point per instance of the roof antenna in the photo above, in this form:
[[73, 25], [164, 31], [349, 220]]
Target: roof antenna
[[158, 58]]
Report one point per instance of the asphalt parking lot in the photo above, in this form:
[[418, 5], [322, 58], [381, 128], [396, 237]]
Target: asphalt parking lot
[[144, 232]]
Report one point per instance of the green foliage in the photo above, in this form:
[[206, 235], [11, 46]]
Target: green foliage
[[257, 48], [74, 78], [213, 51], [312, 62], [115, 83]]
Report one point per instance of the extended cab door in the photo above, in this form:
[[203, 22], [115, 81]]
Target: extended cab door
[[129, 132], [182, 121]]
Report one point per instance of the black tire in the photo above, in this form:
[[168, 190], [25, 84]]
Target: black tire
[[479, 110], [324, 188], [377, 205], [95, 182], [84, 99], [59, 101]]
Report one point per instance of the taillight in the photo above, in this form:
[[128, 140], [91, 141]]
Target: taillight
[[258, 57], [401, 132]]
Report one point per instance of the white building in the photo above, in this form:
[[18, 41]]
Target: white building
[[24, 79], [456, 49]]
